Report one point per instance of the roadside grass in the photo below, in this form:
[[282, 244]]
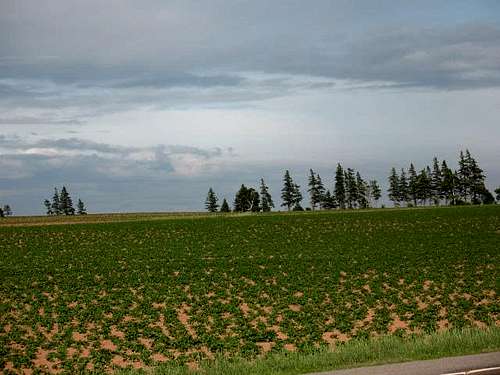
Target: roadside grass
[[354, 353]]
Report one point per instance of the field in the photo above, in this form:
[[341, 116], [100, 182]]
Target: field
[[140, 293]]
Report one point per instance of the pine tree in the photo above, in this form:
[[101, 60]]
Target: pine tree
[[340, 186], [254, 199], [497, 192], [350, 188], [328, 201], [320, 190], [447, 188], [48, 207], [266, 199], [436, 179], [375, 191], [394, 187], [7, 211], [56, 204], [313, 191], [362, 191], [65, 202], [423, 186], [476, 182], [288, 192], [403, 188], [224, 206], [297, 198], [413, 184], [80, 207], [464, 177], [211, 201]]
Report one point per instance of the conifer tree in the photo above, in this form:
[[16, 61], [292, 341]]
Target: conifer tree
[[211, 201], [320, 189], [350, 188], [394, 187], [497, 192], [403, 188], [254, 200], [447, 184], [375, 191], [80, 208], [56, 204], [340, 194], [423, 186], [65, 202], [362, 191], [224, 206], [288, 192], [48, 207], [328, 201], [7, 211], [413, 184], [316, 189], [477, 188], [436, 179], [266, 199], [297, 198]]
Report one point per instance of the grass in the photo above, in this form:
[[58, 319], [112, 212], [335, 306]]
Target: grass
[[143, 289], [355, 353]]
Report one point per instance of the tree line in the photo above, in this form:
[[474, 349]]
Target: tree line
[[5, 211], [441, 184], [62, 204], [350, 190]]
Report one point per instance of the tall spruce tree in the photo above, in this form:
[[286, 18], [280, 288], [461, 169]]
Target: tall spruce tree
[[340, 194], [362, 191], [211, 201], [65, 202], [447, 184], [320, 189], [265, 197], [351, 189], [56, 204], [297, 198], [80, 208], [436, 180], [48, 207], [477, 188], [375, 191], [394, 187], [316, 189], [403, 188], [224, 206], [413, 184], [288, 192], [497, 192]]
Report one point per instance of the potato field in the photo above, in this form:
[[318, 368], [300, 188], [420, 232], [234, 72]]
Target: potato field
[[102, 296]]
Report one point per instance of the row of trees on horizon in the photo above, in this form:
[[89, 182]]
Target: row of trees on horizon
[[441, 185], [62, 204]]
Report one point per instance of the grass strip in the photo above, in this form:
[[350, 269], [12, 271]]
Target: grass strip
[[355, 353]]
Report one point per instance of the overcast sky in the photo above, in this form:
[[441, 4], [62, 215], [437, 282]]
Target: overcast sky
[[143, 105]]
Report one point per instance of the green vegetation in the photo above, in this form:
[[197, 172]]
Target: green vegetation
[[355, 353], [144, 292]]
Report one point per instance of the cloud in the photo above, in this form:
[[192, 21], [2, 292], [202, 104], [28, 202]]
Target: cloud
[[83, 160]]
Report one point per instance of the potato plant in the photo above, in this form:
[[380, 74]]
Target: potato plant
[[134, 294]]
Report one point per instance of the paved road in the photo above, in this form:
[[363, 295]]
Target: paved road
[[432, 367]]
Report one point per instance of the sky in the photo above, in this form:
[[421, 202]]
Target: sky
[[144, 105]]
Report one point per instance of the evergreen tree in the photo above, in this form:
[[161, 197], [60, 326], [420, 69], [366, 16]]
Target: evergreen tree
[[80, 208], [437, 180], [1, 213], [403, 188], [7, 211], [340, 195], [266, 199], [413, 184], [350, 188], [314, 194], [297, 198], [224, 206], [447, 188], [56, 204], [362, 191], [48, 207], [375, 191], [288, 193], [211, 201], [423, 186], [486, 196], [65, 202], [476, 183], [328, 201], [254, 200], [320, 189], [497, 192], [394, 187]]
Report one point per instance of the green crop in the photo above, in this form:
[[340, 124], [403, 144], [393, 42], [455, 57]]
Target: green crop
[[138, 293]]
